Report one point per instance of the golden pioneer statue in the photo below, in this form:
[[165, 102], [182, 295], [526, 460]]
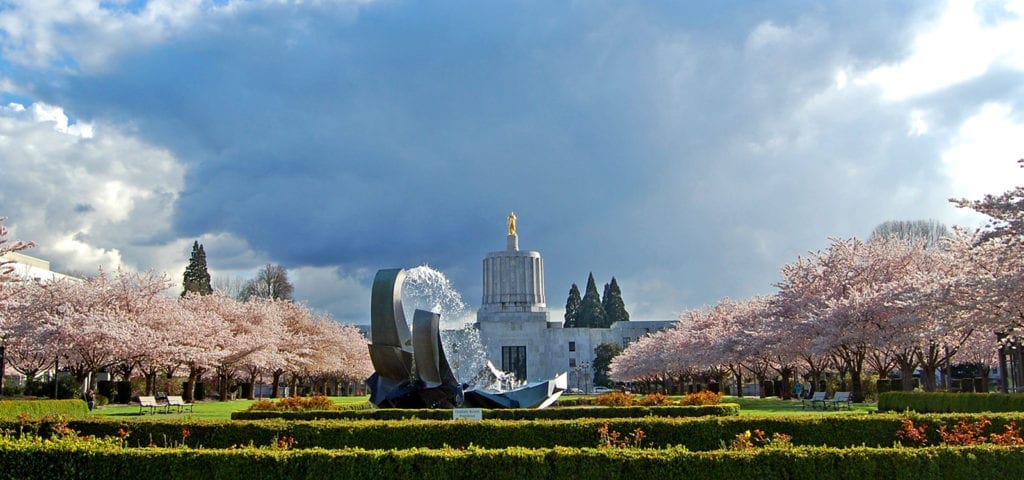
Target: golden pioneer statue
[[512, 223]]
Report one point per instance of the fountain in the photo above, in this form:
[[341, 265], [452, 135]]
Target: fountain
[[412, 371]]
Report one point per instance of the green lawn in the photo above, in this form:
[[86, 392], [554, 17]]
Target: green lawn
[[749, 406], [212, 410], [773, 406]]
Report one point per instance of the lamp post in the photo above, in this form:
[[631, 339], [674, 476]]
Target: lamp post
[[584, 368], [580, 371]]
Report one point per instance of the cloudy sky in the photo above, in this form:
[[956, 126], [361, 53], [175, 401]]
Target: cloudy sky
[[689, 149]]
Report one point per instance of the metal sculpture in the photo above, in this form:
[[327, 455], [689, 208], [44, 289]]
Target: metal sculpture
[[411, 371]]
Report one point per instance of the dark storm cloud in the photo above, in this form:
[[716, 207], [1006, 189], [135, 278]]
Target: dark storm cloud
[[688, 150]]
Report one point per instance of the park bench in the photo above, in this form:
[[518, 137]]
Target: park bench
[[177, 401], [148, 402], [842, 398], [818, 397]]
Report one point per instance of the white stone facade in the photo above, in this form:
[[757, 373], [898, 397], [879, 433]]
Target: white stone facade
[[26, 267], [514, 322]]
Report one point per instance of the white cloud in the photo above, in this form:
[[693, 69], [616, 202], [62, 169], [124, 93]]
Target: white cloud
[[90, 35], [87, 34], [918, 123], [42, 112], [82, 195], [959, 47], [773, 125], [346, 294], [981, 157], [766, 34]]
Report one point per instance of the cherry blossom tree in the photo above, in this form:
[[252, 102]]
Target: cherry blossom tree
[[203, 338], [28, 330], [5, 248], [991, 259], [860, 294]]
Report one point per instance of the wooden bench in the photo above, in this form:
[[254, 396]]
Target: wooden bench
[[842, 398], [148, 402], [816, 398], [177, 401]]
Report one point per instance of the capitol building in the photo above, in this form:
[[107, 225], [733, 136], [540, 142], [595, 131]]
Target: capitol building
[[517, 331]]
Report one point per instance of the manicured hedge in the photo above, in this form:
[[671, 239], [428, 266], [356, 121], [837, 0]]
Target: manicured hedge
[[724, 409], [708, 433], [67, 460], [39, 408], [941, 402]]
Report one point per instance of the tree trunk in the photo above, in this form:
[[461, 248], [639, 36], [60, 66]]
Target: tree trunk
[[275, 391], [150, 377], [222, 383], [251, 395], [787, 391], [194, 373], [857, 383], [928, 378], [738, 374]]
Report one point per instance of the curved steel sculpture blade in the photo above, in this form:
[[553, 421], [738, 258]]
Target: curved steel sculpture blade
[[431, 364], [393, 350], [394, 382]]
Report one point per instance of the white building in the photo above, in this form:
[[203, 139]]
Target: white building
[[520, 336], [32, 268], [27, 268]]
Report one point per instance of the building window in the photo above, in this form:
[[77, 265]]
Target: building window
[[572, 363], [572, 346], [513, 359]]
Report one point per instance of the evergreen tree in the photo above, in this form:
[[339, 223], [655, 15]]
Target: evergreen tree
[[604, 303], [603, 355], [614, 307], [572, 307], [591, 311], [197, 278]]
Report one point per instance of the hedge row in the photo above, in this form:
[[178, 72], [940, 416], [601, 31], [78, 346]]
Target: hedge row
[[77, 460], [940, 402], [10, 409], [724, 409], [708, 433]]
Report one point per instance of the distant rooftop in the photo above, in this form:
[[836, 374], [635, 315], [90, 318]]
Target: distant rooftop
[[31, 268]]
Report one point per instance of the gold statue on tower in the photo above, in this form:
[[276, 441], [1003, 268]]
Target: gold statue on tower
[[512, 223]]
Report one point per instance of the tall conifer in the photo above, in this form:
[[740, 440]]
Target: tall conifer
[[572, 307], [591, 311], [614, 306], [197, 278]]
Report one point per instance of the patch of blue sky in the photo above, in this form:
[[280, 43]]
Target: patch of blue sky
[[127, 6], [7, 98], [65, 62]]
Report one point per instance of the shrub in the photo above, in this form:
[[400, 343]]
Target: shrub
[[608, 438], [753, 439], [695, 434], [67, 388], [614, 399], [98, 458], [365, 411], [294, 404], [705, 397], [943, 402], [40, 408], [965, 432], [653, 400]]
